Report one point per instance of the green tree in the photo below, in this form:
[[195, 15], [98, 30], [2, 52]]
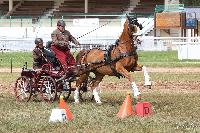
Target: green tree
[[190, 2]]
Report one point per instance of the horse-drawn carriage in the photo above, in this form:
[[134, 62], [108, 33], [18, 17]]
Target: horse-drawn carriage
[[47, 83], [118, 60]]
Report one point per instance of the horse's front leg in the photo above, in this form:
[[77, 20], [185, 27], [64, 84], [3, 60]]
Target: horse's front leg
[[76, 95], [80, 80], [128, 75], [147, 81]]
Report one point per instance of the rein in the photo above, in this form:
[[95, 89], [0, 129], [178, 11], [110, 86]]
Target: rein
[[91, 32], [94, 30]]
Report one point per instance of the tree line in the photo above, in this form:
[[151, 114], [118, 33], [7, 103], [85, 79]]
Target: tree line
[[190, 2]]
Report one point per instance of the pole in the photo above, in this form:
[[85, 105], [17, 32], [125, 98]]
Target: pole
[[10, 21], [86, 6], [10, 5], [51, 22], [21, 22], [11, 65]]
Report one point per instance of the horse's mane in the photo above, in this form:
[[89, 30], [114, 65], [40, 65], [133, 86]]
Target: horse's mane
[[125, 29], [125, 26]]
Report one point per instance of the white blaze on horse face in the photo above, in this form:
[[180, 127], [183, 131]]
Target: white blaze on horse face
[[135, 89], [147, 81], [76, 96], [138, 33], [96, 96]]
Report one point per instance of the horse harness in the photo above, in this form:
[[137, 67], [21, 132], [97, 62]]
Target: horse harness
[[111, 61], [108, 60], [107, 53]]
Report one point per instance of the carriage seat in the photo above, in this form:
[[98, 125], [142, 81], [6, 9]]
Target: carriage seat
[[28, 73], [48, 44]]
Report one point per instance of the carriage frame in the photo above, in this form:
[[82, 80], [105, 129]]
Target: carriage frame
[[47, 84]]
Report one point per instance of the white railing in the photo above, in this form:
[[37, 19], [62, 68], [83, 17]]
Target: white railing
[[187, 47], [150, 43], [16, 44], [188, 50]]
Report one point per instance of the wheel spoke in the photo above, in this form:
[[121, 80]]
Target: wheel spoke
[[22, 87], [48, 90]]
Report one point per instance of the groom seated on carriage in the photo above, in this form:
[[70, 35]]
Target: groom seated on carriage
[[39, 58], [42, 55]]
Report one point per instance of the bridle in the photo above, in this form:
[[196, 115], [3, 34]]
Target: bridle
[[132, 23]]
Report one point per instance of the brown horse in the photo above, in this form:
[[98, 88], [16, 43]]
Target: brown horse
[[118, 61]]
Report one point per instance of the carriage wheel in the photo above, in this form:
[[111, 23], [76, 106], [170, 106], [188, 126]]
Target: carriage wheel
[[84, 93], [22, 89], [48, 89], [35, 90]]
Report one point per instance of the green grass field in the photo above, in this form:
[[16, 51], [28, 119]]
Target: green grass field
[[174, 98], [173, 112], [150, 58]]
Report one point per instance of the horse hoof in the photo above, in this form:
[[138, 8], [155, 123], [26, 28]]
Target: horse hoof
[[147, 86], [138, 98], [99, 102], [76, 102]]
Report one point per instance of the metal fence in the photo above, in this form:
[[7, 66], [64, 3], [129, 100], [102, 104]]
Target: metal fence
[[148, 43]]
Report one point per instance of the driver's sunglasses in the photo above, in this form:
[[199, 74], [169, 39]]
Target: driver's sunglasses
[[61, 26]]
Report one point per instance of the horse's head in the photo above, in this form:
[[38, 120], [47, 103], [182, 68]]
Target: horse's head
[[133, 25]]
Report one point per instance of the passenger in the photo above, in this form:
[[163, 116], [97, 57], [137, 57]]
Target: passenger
[[39, 58], [60, 45]]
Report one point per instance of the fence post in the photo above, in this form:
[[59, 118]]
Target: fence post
[[21, 22], [10, 21], [1, 61], [51, 22], [11, 65]]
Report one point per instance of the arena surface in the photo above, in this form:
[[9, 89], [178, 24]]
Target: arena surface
[[161, 85]]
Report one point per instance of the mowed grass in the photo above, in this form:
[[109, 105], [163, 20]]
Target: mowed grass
[[165, 59], [172, 112], [148, 58], [18, 59]]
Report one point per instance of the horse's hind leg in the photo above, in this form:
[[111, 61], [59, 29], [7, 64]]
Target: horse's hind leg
[[147, 81], [94, 87]]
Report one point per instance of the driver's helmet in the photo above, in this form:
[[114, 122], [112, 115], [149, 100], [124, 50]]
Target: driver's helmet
[[61, 23], [38, 41]]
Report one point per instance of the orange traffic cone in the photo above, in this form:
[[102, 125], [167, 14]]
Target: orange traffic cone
[[63, 105], [126, 108]]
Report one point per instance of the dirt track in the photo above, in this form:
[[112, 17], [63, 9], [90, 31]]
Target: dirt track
[[166, 86], [150, 69]]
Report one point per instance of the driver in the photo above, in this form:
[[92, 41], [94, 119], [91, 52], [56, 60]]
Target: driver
[[60, 45]]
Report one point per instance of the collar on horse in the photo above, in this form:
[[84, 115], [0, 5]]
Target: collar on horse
[[107, 55]]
